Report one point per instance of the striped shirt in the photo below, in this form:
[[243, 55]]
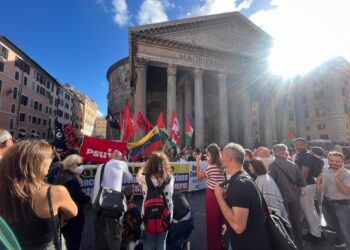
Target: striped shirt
[[214, 174]]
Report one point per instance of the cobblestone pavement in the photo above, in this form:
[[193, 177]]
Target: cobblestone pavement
[[198, 236]]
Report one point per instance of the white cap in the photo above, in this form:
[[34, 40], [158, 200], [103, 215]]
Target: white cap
[[4, 136]]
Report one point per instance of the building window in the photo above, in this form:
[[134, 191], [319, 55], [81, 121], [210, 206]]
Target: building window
[[34, 120], [30, 118], [32, 134], [16, 76], [0, 86], [44, 136], [320, 111], [66, 105], [15, 92], [40, 107], [44, 122], [12, 121], [31, 103], [39, 121], [2, 66], [60, 113], [25, 80], [321, 126], [24, 100], [324, 137], [13, 108], [3, 52], [22, 117], [308, 138], [307, 128], [66, 116], [36, 105], [49, 122], [47, 109]]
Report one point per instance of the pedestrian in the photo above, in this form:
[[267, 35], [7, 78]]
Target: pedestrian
[[247, 157], [70, 178], [213, 174], [269, 190], [131, 222], [30, 206], [173, 156], [336, 187], [289, 181], [346, 153], [264, 154], [6, 142], [241, 204], [307, 164], [108, 231], [157, 184]]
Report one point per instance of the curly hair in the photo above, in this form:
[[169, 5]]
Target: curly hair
[[158, 166]]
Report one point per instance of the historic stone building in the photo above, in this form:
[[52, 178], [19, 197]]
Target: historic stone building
[[212, 67]]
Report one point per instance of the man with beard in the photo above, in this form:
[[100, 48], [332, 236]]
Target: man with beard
[[306, 163], [336, 187]]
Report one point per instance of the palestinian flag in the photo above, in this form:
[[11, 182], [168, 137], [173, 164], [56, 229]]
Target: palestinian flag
[[188, 132], [162, 129]]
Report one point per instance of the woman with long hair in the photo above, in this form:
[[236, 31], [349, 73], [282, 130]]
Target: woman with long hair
[[212, 174], [156, 174], [28, 204], [70, 178]]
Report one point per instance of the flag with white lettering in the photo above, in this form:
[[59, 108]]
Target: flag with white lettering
[[99, 150]]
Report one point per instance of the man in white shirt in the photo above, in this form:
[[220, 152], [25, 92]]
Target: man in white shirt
[[108, 232], [6, 141]]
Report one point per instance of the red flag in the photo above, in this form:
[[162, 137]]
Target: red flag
[[160, 123], [175, 130], [143, 122], [128, 127]]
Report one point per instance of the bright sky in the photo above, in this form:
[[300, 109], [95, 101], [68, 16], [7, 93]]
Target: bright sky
[[77, 41]]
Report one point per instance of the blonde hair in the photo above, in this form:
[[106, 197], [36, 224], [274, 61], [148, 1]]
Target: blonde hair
[[21, 175], [71, 160]]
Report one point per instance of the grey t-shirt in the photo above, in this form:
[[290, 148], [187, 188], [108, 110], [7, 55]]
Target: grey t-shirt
[[333, 191]]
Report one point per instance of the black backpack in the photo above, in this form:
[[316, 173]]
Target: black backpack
[[181, 205], [156, 212], [317, 166]]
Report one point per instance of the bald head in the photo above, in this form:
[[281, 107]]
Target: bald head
[[117, 155], [262, 152]]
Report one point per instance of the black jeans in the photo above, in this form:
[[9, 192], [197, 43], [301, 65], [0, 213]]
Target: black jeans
[[108, 233], [179, 232], [293, 210], [72, 233]]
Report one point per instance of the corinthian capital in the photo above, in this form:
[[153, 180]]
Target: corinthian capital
[[198, 73], [141, 64], [171, 70]]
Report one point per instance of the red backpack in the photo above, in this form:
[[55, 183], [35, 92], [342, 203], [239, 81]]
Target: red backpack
[[156, 212]]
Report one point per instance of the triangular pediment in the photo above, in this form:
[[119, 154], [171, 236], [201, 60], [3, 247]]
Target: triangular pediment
[[229, 32]]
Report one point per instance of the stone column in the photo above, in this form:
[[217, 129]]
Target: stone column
[[171, 91], [198, 106], [188, 98], [247, 118], [267, 122], [223, 109], [282, 118], [141, 87]]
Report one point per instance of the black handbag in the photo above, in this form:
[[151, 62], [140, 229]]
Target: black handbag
[[279, 236], [109, 203]]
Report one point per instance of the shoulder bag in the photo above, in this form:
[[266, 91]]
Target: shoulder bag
[[109, 203]]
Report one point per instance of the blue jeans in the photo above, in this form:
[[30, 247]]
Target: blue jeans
[[339, 217], [154, 241]]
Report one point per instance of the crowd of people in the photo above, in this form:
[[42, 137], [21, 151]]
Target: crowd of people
[[42, 197]]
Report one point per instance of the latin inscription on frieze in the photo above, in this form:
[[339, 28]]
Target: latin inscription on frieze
[[204, 60]]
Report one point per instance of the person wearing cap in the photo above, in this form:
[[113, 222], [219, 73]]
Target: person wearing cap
[[6, 141]]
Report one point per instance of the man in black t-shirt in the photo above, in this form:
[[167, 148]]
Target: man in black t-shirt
[[306, 162], [241, 204]]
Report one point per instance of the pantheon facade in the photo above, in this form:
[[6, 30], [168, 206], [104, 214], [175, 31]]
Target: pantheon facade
[[213, 68]]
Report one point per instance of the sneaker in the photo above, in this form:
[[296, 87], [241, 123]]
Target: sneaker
[[313, 239], [339, 245]]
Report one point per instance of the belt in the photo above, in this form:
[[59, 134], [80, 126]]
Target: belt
[[339, 202]]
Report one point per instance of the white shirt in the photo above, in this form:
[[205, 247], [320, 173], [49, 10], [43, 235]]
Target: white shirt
[[113, 175]]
